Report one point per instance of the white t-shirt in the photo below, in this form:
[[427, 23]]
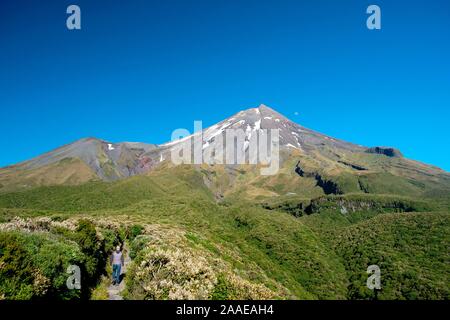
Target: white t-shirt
[[117, 257]]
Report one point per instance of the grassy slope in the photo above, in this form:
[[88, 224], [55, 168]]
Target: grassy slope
[[257, 242], [305, 255], [65, 172]]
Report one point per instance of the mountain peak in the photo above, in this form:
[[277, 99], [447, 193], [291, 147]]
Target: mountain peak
[[261, 112], [291, 134], [263, 107]]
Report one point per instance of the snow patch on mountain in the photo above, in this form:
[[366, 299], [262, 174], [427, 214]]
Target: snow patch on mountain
[[258, 125]]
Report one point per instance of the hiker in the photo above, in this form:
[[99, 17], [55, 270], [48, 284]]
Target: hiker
[[117, 263]]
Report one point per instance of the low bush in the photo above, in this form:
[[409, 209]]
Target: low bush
[[33, 265]]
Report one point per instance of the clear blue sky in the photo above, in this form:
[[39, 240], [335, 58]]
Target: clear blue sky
[[139, 69]]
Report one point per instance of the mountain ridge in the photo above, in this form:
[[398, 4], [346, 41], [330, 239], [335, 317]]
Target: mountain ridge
[[315, 153]]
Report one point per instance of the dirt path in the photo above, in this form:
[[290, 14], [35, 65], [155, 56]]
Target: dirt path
[[115, 292]]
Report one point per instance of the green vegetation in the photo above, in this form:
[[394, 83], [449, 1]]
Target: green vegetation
[[33, 265], [134, 231], [410, 249], [252, 244]]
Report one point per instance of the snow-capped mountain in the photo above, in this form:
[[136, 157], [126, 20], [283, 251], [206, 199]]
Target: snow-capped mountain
[[291, 134], [90, 158]]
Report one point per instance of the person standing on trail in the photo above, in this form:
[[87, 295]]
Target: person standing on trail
[[117, 263]]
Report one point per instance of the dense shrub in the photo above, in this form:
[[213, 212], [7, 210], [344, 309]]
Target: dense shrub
[[134, 231], [94, 250], [163, 270], [137, 245], [410, 249], [111, 238], [33, 265]]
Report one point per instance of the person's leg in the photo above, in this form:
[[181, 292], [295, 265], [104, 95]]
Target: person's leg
[[119, 267], [117, 273], [114, 272]]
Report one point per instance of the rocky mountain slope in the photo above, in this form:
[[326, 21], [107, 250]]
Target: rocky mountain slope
[[311, 163]]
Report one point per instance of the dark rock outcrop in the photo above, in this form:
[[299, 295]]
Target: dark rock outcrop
[[387, 151], [353, 166], [328, 186], [361, 203]]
